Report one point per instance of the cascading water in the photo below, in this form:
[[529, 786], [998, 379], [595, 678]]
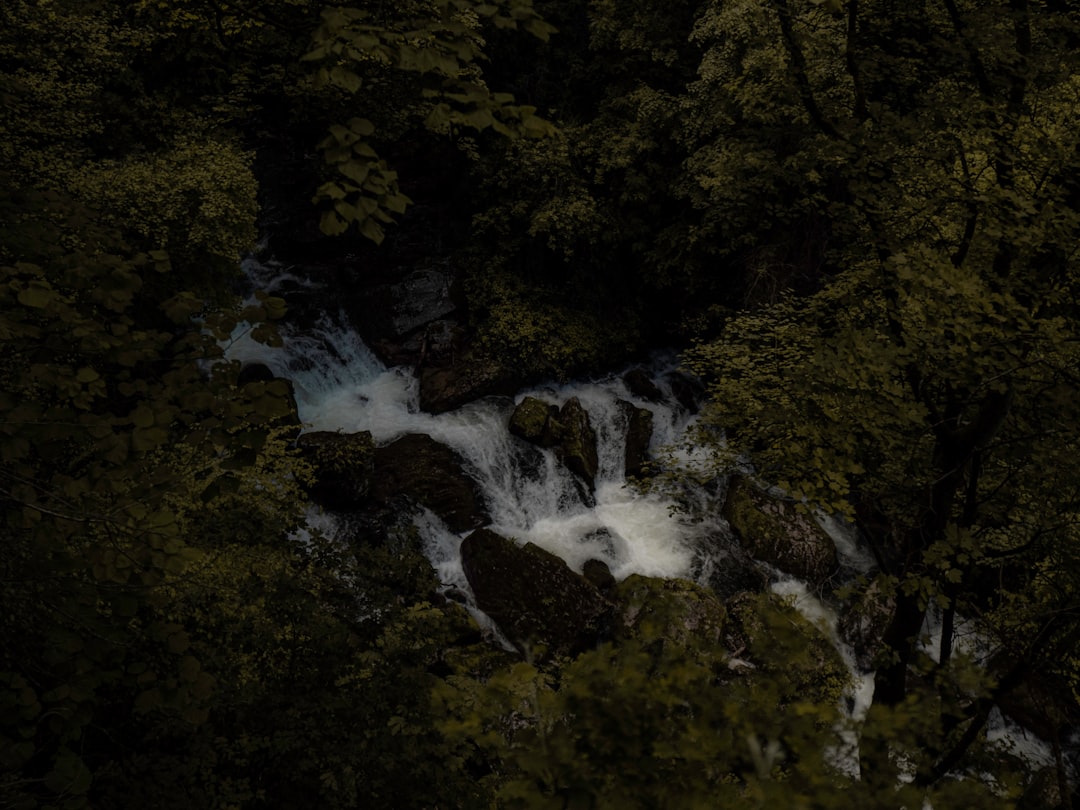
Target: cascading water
[[341, 385]]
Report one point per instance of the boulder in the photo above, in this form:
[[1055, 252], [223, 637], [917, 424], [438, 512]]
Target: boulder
[[444, 388], [577, 441], [673, 610], [437, 345], [642, 386], [432, 475], [780, 533], [254, 372], [541, 605], [344, 465], [405, 306], [729, 569], [639, 428], [421, 297], [531, 421], [784, 648], [567, 430]]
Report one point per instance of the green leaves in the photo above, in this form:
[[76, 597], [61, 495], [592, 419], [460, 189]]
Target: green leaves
[[442, 48]]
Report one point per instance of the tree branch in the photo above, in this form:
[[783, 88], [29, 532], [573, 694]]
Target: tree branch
[[798, 65]]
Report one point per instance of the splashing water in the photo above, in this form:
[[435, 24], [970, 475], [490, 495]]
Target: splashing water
[[341, 385]]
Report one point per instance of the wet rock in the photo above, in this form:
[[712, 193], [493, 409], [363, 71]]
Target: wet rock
[[405, 306], [437, 345], [598, 573], [567, 429], [344, 466], [864, 620], [606, 542], [432, 475], [642, 386], [420, 298], [639, 428], [444, 388], [531, 421], [688, 391], [731, 570], [577, 441], [537, 601], [673, 610], [456, 595], [780, 533]]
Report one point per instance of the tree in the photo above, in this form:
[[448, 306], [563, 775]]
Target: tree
[[923, 382], [665, 715], [438, 44]]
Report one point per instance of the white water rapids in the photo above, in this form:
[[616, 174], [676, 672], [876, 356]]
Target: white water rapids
[[340, 385]]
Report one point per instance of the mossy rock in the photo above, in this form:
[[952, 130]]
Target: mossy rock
[[780, 533], [673, 610], [769, 633], [534, 597], [344, 466], [530, 421], [567, 430]]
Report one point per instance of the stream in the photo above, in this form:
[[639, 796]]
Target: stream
[[340, 385]]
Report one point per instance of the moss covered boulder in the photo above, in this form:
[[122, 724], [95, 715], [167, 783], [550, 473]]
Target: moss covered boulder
[[674, 610], [432, 475], [344, 467], [537, 601], [531, 421], [780, 533], [780, 645], [567, 430]]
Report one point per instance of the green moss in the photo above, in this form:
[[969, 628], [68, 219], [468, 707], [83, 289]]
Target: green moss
[[674, 610], [786, 647], [530, 419]]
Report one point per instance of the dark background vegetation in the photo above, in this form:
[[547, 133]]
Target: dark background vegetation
[[857, 218]]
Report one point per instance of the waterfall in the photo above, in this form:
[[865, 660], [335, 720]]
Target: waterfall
[[341, 385]]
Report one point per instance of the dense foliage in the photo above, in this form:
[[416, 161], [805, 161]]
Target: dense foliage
[[859, 217]]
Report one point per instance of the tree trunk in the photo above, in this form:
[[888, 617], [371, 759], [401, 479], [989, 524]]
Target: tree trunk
[[890, 680]]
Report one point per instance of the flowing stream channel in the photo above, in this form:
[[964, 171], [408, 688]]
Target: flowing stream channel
[[340, 385]]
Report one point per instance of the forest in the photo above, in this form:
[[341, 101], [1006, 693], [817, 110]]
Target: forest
[[854, 221]]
